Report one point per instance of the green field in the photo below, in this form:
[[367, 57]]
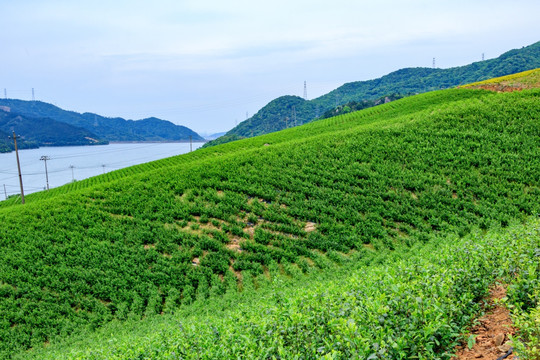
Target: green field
[[364, 218]]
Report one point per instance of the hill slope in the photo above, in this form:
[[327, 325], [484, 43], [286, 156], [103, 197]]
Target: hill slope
[[145, 240], [110, 129], [45, 132], [287, 111]]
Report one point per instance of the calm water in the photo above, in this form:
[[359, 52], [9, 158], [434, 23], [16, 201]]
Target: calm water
[[77, 162]]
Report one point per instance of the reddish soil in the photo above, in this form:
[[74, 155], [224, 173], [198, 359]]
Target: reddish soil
[[491, 333], [499, 87]]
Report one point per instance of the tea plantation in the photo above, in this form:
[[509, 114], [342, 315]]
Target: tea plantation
[[356, 231]]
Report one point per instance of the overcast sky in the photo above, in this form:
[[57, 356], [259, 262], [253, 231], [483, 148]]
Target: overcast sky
[[205, 63]]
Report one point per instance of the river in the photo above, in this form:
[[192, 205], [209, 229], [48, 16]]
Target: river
[[68, 163]]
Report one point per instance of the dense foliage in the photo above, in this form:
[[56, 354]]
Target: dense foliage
[[414, 305], [110, 129], [147, 239], [405, 82], [46, 132], [7, 145], [359, 105]]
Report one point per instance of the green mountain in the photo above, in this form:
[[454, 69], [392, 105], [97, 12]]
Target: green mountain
[[289, 111], [5, 143], [109, 129], [372, 214], [45, 132]]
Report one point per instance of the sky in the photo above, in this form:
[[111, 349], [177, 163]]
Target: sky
[[207, 64]]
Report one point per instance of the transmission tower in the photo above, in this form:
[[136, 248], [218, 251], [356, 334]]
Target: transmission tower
[[305, 90], [482, 56], [33, 97], [5, 93], [434, 63]]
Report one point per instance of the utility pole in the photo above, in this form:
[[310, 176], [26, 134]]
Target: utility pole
[[5, 192], [18, 167], [434, 63], [190, 143], [305, 90], [72, 175], [103, 166], [482, 56], [45, 158]]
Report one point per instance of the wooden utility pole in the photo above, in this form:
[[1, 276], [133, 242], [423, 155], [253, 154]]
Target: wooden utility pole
[[18, 166], [45, 158]]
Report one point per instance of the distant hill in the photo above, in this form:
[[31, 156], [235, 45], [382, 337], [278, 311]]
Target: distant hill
[[45, 132], [110, 129], [4, 142], [289, 111], [7, 145], [214, 136]]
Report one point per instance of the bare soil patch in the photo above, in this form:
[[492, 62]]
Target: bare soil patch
[[310, 226], [492, 332], [500, 87]]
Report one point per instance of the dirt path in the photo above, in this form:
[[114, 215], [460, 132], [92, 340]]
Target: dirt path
[[491, 333]]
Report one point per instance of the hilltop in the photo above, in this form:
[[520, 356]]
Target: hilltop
[[101, 128], [36, 132], [168, 236], [289, 111]]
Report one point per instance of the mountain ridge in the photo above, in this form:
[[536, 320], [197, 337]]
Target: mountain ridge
[[35, 132], [105, 128], [283, 111]]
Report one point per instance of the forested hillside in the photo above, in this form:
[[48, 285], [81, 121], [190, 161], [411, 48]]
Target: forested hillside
[[109, 129], [7, 144], [44, 131], [288, 111], [158, 237]]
